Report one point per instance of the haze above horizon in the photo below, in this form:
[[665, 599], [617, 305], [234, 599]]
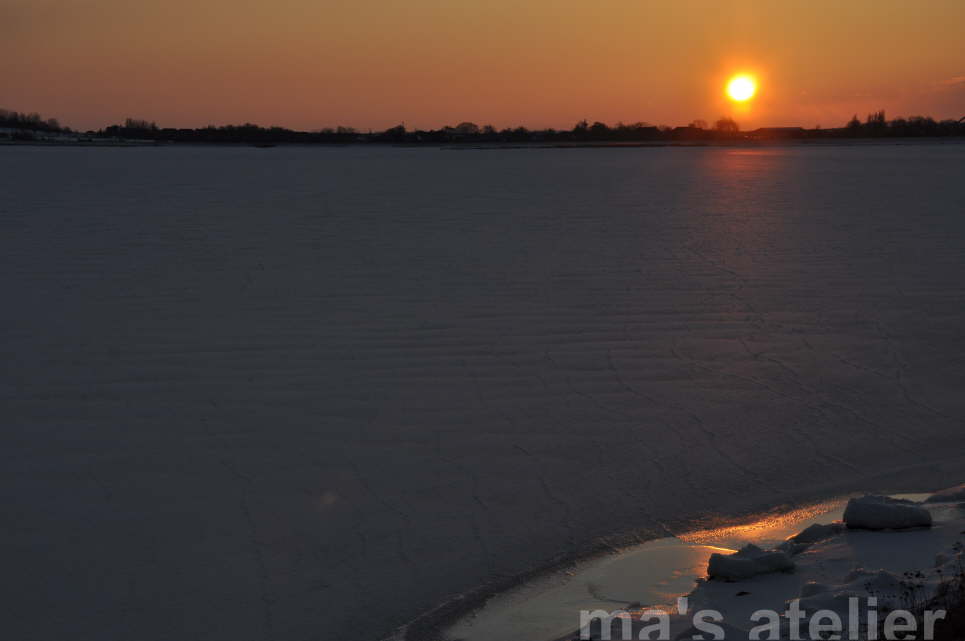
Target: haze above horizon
[[374, 64]]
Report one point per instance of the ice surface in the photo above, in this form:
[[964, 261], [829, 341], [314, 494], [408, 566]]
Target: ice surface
[[884, 513], [309, 393]]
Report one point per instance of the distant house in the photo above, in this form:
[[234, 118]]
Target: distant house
[[688, 133], [772, 133]]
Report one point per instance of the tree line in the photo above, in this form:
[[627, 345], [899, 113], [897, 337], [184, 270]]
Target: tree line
[[875, 125], [27, 122], [724, 129], [465, 132]]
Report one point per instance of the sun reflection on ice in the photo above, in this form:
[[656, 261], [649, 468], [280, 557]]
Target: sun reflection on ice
[[773, 527]]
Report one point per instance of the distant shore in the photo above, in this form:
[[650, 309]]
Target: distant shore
[[456, 146], [25, 128]]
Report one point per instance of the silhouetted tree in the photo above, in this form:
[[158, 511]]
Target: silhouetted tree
[[520, 134], [140, 125], [28, 121], [395, 134], [923, 125], [467, 128], [876, 120], [726, 125], [599, 130]]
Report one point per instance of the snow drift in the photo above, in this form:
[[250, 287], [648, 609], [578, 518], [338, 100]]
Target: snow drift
[[873, 512]]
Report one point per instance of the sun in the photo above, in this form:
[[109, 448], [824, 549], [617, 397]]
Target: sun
[[741, 87]]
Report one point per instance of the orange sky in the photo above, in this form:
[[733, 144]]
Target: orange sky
[[373, 63]]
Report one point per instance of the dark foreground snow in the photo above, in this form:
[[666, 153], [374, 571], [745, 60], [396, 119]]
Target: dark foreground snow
[[301, 393]]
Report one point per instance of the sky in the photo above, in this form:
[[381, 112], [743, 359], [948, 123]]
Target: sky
[[373, 64]]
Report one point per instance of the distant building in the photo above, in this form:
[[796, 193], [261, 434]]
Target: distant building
[[688, 133], [770, 133]]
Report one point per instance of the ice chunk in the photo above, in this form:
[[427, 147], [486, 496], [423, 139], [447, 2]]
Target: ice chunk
[[956, 493], [749, 561], [817, 532], [881, 512]]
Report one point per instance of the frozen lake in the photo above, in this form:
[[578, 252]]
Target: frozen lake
[[295, 393]]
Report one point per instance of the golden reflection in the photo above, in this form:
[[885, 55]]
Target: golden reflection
[[718, 548], [777, 525]]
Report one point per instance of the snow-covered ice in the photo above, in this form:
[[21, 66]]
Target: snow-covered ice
[[898, 568], [831, 563], [874, 512], [310, 393], [747, 562]]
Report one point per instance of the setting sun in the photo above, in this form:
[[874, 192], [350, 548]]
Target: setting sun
[[741, 88]]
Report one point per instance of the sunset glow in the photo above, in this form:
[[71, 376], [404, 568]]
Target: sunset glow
[[741, 87], [430, 64]]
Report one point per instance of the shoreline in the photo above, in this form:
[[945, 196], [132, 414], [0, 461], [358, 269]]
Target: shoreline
[[461, 146], [432, 624]]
